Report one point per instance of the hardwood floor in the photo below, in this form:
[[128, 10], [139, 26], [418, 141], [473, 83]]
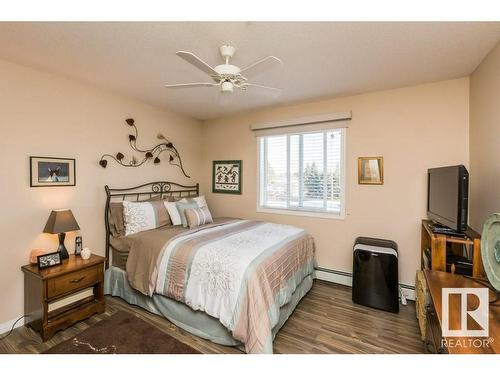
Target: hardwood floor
[[325, 321]]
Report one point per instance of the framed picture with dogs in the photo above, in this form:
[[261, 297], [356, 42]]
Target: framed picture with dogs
[[49, 171]]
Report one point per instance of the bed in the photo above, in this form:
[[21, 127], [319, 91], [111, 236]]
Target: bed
[[232, 281]]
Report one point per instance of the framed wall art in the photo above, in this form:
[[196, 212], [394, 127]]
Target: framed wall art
[[371, 170], [226, 176], [48, 171]]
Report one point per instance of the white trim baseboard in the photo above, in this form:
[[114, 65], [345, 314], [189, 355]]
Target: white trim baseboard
[[345, 278], [6, 326]]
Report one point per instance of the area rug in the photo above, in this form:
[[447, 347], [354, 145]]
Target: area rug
[[122, 333]]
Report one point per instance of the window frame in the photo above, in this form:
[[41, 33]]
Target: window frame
[[307, 212]]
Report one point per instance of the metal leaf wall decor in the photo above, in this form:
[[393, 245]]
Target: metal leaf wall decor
[[149, 154]]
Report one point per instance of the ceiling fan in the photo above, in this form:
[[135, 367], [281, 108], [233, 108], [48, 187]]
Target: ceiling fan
[[226, 76]]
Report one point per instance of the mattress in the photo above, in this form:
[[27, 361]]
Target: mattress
[[195, 322]]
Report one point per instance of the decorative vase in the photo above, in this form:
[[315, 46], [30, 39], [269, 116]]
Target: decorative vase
[[86, 253]]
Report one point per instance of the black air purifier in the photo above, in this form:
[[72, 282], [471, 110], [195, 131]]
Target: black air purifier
[[375, 274]]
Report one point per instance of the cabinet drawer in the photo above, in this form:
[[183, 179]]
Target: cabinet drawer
[[72, 281]]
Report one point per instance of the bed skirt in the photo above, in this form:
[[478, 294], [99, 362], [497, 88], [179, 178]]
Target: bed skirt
[[196, 322]]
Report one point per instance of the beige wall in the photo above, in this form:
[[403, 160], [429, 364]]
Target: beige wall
[[46, 115], [413, 128], [485, 139]]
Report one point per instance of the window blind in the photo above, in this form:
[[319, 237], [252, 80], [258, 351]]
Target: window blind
[[302, 171], [303, 124]]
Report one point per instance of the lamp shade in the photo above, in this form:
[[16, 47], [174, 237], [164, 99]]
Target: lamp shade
[[61, 221]]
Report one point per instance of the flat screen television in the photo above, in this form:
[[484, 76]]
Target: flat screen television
[[448, 196]]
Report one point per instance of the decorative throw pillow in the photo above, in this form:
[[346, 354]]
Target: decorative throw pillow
[[173, 199], [182, 208], [173, 212], [200, 201], [116, 223], [198, 216], [141, 216]]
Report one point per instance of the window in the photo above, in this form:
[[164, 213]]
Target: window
[[302, 173]]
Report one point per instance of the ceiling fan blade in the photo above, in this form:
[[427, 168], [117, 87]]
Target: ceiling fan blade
[[261, 86], [197, 62], [265, 63], [186, 85], [268, 91]]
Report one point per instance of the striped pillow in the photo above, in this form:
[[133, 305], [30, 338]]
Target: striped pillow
[[198, 216], [141, 216], [182, 207]]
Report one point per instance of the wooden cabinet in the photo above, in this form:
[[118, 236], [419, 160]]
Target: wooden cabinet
[[59, 296], [435, 342], [438, 244], [434, 337]]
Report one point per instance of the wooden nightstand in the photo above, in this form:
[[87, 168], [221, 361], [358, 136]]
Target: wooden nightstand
[[59, 296]]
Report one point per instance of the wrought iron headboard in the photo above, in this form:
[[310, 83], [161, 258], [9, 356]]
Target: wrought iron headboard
[[161, 188]]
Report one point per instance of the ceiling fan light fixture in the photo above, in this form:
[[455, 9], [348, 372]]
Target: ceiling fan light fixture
[[226, 75], [227, 87]]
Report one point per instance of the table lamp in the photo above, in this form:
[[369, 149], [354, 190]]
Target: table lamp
[[60, 222]]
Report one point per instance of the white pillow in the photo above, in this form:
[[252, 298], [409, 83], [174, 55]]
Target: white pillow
[[200, 201], [141, 216], [173, 213], [173, 210]]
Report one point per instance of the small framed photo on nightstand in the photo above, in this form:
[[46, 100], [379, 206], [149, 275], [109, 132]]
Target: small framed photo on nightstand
[[49, 260]]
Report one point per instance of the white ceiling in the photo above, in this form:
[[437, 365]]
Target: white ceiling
[[320, 59]]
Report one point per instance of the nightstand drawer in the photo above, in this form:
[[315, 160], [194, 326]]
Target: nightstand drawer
[[73, 281]]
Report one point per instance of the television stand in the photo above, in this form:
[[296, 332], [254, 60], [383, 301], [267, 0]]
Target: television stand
[[437, 243], [438, 229]]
